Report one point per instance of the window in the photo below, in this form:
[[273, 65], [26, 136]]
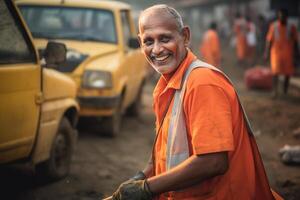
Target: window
[[125, 26], [13, 45], [83, 24]]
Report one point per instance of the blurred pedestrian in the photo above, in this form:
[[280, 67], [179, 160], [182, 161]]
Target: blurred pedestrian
[[210, 46], [240, 30], [262, 29], [251, 41], [203, 148], [282, 46]]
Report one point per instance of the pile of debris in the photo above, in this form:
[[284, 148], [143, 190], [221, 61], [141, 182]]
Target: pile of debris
[[290, 154]]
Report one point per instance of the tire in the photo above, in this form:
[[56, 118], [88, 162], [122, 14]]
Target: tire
[[112, 125], [58, 165], [135, 108]]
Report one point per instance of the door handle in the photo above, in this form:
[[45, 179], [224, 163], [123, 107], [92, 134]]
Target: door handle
[[39, 98]]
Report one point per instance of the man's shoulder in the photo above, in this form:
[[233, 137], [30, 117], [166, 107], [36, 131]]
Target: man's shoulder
[[202, 76]]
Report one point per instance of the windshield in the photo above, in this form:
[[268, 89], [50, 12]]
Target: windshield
[[70, 23]]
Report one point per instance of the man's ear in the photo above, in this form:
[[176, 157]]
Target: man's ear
[[187, 35]]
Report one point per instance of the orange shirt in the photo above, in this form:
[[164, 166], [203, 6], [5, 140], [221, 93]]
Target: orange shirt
[[210, 48], [214, 124], [282, 49], [240, 29]]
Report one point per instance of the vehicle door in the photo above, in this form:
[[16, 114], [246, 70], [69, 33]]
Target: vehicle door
[[132, 62], [20, 86]]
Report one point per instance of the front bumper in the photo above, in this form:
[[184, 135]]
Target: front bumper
[[99, 102]]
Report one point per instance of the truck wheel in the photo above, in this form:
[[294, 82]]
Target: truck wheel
[[58, 165], [135, 108], [112, 124]]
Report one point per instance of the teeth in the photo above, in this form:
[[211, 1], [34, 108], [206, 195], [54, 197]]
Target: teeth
[[161, 58]]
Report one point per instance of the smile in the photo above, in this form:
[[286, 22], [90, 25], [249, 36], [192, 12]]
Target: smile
[[160, 58]]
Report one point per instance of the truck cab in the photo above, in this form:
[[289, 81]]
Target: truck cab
[[103, 55], [38, 109]]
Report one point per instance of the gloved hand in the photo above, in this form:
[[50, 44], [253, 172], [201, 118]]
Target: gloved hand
[[134, 190], [138, 176]]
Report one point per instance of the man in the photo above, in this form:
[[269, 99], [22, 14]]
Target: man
[[240, 30], [262, 29], [282, 41], [220, 163], [210, 47]]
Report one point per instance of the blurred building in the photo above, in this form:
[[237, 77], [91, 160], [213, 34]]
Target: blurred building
[[199, 13]]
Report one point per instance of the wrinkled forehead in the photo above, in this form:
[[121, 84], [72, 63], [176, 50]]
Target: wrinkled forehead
[[155, 18]]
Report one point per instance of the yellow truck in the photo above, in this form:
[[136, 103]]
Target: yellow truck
[[103, 54], [38, 109]]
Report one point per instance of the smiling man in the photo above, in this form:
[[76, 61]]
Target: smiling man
[[204, 148]]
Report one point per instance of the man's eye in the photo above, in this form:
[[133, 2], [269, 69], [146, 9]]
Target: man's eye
[[165, 39], [148, 43]]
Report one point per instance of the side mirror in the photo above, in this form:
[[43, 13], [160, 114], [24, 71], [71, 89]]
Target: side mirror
[[133, 43], [55, 54]]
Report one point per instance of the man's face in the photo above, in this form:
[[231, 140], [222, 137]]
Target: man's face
[[162, 43]]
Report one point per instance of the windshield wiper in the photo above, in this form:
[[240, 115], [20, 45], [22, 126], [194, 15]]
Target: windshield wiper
[[44, 35], [87, 38]]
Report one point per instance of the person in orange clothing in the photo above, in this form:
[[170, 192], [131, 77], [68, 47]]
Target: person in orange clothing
[[240, 30], [282, 44], [204, 148], [210, 46]]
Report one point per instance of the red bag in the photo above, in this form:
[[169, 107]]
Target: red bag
[[258, 78]]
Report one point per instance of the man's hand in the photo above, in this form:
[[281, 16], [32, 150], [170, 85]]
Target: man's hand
[[134, 190], [138, 176]]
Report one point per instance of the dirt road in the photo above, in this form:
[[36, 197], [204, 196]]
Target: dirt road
[[101, 163]]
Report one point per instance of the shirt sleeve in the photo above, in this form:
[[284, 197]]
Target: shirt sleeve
[[208, 113]]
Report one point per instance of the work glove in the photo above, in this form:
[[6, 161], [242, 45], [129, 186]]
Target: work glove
[[138, 176], [134, 190]]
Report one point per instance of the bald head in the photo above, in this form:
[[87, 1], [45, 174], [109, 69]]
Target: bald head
[[162, 10], [163, 38]]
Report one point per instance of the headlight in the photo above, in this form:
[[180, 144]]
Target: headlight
[[97, 79]]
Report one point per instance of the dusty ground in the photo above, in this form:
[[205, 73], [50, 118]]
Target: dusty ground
[[101, 163]]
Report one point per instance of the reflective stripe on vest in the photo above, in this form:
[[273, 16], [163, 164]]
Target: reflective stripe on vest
[[276, 30], [177, 143]]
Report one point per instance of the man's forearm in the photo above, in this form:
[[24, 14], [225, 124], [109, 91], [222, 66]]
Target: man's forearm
[[148, 170], [192, 171]]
